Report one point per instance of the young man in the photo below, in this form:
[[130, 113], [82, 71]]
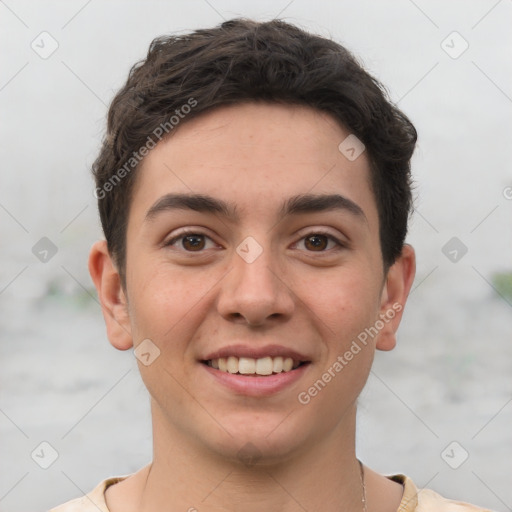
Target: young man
[[254, 191]]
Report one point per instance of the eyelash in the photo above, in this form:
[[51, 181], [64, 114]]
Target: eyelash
[[329, 236]]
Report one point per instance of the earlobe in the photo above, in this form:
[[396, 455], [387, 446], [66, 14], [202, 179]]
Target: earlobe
[[394, 296], [111, 295]]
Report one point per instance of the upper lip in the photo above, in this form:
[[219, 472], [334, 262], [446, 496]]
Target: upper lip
[[256, 352]]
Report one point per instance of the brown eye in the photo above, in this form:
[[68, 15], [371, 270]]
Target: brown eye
[[316, 242], [189, 241], [193, 242], [320, 242]]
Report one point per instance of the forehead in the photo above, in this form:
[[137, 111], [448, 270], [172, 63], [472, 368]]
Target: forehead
[[255, 155]]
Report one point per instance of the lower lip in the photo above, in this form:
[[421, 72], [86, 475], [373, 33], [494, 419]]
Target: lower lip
[[253, 385]]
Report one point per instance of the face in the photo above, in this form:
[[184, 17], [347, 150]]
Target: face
[[253, 246]]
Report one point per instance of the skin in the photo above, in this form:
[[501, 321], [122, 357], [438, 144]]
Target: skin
[[315, 299]]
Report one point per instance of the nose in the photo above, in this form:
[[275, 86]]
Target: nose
[[254, 292]]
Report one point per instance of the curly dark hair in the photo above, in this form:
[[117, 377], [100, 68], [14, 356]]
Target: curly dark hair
[[244, 60]]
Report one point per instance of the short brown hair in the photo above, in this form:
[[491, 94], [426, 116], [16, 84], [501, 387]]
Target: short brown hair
[[244, 60]]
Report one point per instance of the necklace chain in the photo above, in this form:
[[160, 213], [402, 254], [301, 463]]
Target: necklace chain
[[363, 486]]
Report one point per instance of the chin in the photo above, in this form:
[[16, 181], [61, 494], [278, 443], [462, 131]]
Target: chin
[[260, 442]]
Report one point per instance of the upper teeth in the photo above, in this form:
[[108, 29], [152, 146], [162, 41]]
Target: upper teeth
[[250, 366]]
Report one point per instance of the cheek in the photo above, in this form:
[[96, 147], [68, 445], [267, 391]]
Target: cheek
[[348, 306], [165, 302], [347, 301]]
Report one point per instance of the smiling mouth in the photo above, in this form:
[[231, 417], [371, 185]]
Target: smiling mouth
[[263, 366]]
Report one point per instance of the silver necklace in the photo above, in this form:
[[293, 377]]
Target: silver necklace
[[363, 486]]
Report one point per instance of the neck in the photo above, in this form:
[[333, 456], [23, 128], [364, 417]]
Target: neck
[[324, 476]]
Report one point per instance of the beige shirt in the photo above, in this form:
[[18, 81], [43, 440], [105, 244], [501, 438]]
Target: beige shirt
[[413, 500]]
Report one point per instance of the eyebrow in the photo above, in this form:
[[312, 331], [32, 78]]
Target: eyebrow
[[299, 204]]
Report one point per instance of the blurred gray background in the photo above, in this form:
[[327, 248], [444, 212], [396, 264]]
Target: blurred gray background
[[438, 408]]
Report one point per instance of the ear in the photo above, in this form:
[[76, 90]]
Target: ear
[[112, 296], [394, 295]]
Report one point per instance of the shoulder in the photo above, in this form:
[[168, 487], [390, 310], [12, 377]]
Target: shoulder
[[93, 501], [427, 500]]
